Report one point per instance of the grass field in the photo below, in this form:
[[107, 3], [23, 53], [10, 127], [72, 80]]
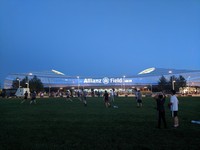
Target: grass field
[[57, 124]]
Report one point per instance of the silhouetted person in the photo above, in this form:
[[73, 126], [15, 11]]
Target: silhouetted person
[[139, 99], [25, 97], [106, 99], [160, 100], [33, 97]]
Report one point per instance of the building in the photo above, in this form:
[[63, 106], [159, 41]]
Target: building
[[148, 77]]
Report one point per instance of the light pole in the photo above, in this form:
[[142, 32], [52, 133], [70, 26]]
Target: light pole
[[151, 88], [19, 81], [49, 91], [49, 88], [29, 74], [124, 85], [78, 82], [27, 84], [170, 72], [173, 84], [188, 84]]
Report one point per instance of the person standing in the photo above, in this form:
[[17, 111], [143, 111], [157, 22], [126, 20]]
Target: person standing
[[174, 108], [106, 99], [139, 99], [68, 96], [78, 93], [33, 98], [112, 95], [136, 93], [25, 97], [160, 101], [83, 97]]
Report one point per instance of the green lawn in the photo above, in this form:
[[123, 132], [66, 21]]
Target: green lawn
[[56, 124]]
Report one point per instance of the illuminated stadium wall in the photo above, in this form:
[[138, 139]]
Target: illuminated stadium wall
[[149, 76]]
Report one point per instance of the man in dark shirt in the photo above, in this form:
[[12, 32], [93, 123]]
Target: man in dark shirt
[[160, 100], [106, 99], [25, 97]]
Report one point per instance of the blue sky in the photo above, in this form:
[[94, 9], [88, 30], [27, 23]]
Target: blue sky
[[98, 37]]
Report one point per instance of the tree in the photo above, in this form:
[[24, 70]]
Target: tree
[[177, 82], [35, 84], [24, 82], [163, 84], [16, 83], [172, 83], [181, 81], [167, 85]]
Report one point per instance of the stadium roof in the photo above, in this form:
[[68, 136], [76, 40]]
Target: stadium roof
[[162, 71], [148, 76]]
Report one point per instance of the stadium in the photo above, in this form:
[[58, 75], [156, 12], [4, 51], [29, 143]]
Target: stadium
[[148, 77]]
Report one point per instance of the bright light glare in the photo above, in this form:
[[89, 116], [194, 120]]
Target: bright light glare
[[149, 70], [57, 72]]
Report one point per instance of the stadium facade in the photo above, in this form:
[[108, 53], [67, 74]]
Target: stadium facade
[[148, 77]]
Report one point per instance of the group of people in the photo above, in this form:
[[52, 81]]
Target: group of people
[[173, 105], [83, 97], [108, 98], [33, 97], [160, 101]]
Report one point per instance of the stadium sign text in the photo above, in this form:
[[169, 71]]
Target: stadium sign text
[[107, 80]]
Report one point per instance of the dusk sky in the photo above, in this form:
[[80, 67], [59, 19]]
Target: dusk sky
[[98, 37]]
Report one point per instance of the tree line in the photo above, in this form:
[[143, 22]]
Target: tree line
[[34, 84], [166, 85]]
